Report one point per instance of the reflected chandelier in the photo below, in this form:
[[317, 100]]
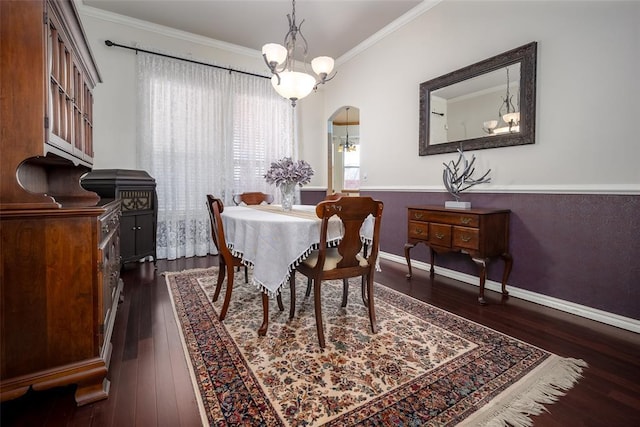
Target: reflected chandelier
[[290, 84], [507, 113]]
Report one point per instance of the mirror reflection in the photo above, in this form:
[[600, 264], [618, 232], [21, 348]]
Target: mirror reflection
[[344, 151], [485, 105]]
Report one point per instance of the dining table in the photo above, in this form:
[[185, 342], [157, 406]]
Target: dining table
[[272, 241]]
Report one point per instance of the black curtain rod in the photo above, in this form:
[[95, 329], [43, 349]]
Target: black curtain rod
[[110, 44]]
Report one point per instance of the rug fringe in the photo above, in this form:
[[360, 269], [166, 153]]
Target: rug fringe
[[515, 406]]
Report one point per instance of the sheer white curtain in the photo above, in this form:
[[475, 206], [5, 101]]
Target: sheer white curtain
[[205, 131]]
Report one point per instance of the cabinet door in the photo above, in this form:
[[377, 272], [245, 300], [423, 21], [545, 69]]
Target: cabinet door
[[70, 101], [145, 229], [127, 236], [61, 105]]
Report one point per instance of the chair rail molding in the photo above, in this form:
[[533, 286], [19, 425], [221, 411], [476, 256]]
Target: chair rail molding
[[621, 189]]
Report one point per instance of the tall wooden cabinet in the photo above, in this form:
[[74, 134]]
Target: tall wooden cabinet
[[59, 243]]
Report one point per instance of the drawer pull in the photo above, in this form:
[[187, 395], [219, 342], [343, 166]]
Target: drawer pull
[[417, 231], [439, 236], [465, 220], [417, 215], [466, 238]]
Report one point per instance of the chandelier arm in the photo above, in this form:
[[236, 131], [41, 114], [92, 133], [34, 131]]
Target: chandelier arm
[[324, 79], [305, 45]]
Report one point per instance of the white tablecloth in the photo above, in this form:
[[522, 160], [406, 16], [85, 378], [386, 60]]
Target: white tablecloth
[[273, 241]]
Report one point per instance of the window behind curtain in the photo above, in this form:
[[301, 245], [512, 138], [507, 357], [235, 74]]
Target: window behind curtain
[[204, 131], [351, 174]]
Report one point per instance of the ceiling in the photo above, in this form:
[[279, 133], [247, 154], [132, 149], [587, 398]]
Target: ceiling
[[331, 27]]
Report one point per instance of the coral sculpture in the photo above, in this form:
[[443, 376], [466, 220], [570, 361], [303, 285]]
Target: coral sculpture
[[457, 175]]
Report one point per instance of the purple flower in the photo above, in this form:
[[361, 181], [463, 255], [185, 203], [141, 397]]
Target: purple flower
[[285, 171]]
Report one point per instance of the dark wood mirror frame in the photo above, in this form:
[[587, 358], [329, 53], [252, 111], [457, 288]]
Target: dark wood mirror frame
[[525, 55]]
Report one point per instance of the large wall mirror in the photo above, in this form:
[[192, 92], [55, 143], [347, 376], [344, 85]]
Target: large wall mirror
[[489, 104]]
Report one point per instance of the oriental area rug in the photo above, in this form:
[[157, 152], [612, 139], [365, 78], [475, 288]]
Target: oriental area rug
[[424, 367]]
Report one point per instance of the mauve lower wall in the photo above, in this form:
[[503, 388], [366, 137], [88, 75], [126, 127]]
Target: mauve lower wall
[[581, 248]]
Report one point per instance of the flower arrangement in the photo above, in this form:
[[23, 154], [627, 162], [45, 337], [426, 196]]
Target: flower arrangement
[[286, 171]]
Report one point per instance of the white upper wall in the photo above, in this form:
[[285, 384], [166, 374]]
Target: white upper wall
[[587, 92], [115, 124]]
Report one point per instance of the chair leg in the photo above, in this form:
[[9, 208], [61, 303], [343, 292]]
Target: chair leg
[[246, 275], [345, 291], [265, 315], [372, 312], [222, 268], [318, 310], [292, 287], [365, 297], [364, 283], [227, 294], [279, 299], [308, 292]]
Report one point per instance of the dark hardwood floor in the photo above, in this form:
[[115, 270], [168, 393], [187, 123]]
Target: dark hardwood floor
[[150, 384]]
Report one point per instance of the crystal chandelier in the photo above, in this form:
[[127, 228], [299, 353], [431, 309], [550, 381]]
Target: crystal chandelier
[[507, 113], [290, 84]]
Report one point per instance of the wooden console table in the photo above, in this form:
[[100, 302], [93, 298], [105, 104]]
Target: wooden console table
[[480, 233]]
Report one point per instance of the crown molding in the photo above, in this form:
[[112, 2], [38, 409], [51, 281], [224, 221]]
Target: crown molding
[[390, 28], [205, 41], [165, 31]]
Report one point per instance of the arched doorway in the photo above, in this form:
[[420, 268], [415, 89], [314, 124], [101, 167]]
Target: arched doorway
[[344, 151]]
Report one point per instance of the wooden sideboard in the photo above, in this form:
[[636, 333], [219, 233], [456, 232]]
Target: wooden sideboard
[[480, 233], [59, 285], [59, 243]]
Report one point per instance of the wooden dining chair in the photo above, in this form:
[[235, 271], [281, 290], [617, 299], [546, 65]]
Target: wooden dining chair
[[253, 198], [333, 196], [345, 260], [227, 261]]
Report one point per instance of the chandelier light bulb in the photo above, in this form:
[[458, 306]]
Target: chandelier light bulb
[[490, 124], [274, 52], [322, 65], [293, 85], [511, 118]]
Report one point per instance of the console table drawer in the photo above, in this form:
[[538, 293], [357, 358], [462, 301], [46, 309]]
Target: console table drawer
[[417, 215], [465, 237], [453, 218], [440, 235], [418, 230]]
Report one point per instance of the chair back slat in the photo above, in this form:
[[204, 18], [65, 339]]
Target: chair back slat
[[335, 196], [252, 198], [352, 212]]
